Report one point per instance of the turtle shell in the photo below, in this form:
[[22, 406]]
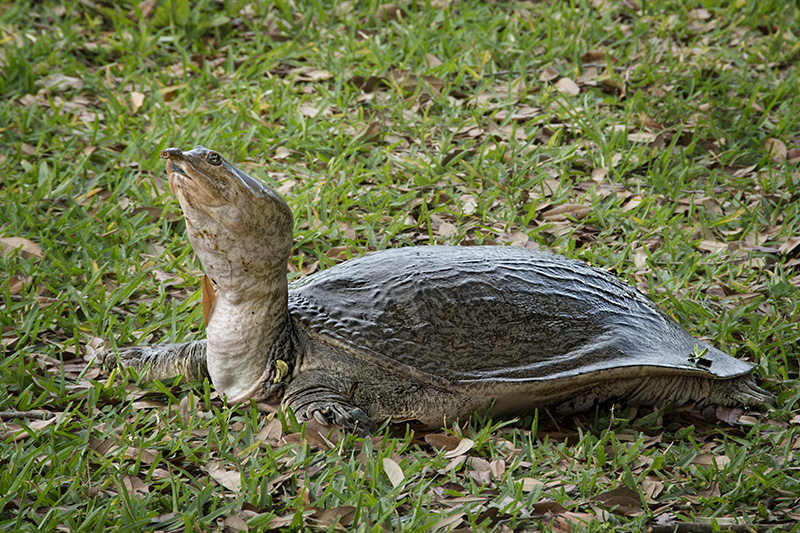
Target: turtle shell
[[495, 314]]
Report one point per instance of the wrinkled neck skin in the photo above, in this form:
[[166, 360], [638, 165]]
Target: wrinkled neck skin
[[241, 230], [241, 328]]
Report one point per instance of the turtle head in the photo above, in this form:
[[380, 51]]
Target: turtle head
[[239, 228]]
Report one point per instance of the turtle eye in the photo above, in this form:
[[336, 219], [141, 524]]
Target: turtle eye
[[214, 158]]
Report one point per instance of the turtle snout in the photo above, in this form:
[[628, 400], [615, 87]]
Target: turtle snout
[[171, 153]]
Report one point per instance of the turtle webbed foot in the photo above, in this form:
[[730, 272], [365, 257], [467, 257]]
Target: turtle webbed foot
[[349, 417]]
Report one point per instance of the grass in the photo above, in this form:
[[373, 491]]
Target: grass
[[656, 169]]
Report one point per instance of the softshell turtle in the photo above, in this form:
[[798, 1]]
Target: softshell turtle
[[430, 334]]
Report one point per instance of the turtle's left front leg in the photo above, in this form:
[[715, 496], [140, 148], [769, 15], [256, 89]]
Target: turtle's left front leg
[[164, 361]]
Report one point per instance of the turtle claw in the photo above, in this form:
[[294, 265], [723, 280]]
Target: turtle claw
[[351, 418]]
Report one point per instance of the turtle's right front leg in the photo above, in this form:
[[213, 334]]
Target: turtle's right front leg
[[164, 361], [323, 396]]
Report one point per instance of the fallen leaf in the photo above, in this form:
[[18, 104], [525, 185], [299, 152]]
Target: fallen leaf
[[137, 99], [706, 459], [230, 479], [442, 441], [432, 60], [643, 137], [60, 82], [463, 447], [446, 229], [776, 149], [652, 487], [558, 212], [390, 12], [547, 506], [281, 152], [567, 86], [393, 471], [135, 486], [621, 500], [448, 521], [597, 56], [789, 246], [234, 523], [343, 516], [342, 253], [729, 414], [548, 74], [529, 484], [370, 133], [27, 248], [271, 433]]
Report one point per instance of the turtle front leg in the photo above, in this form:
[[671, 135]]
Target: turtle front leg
[[164, 361], [319, 395]]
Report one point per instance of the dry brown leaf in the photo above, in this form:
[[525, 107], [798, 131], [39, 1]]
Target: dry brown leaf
[[281, 152], [343, 516], [342, 253], [462, 448], [776, 149], [469, 204], [135, 486], [17, 282], [447, 522], [271, 433], [480, 471], [230, 479], [621, 500], [597, 56], [143, 455], [146, 8], [390, 12], [571, 521], [393, 471], [498, 469], [548, 74], [441, 441], [712, 246], [16, 432], [643, 137], [446, 229], [729, 414], [547, 507], [789, 246], [652, 487], [137, 99], [60, 83], [558, 212], [370, 133], [27, 248], [432, 61], [529, 484], [567, 86], [234, 523], [407, 81], [706, 459]]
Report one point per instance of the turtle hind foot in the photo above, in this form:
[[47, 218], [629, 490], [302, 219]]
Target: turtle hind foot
[[742, 390]]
